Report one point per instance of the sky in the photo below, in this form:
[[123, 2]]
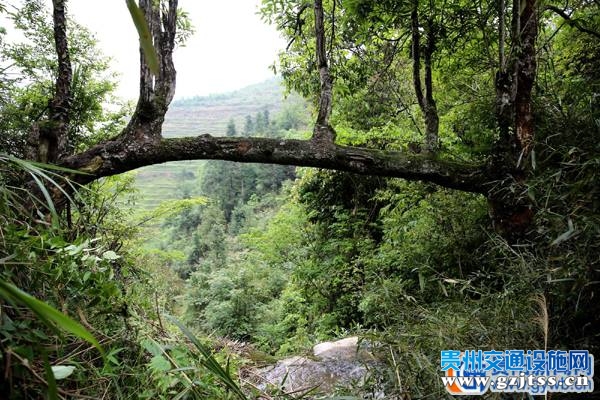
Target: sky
[[230, 49]]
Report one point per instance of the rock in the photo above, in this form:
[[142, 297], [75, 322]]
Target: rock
[[296, 373], [336, 364], [345, 349]]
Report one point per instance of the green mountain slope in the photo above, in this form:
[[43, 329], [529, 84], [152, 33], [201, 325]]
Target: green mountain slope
[[209, 114], [198, 116]]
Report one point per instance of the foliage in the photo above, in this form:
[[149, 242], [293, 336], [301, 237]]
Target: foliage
[[230, 294], [369, 50], [29, 83], [276, 259], [85, 273], [224, 375], [9, 200], [37, 260]]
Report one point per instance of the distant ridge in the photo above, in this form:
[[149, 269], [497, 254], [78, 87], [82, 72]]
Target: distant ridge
[[210, 114], [201, 115], [272, 86]]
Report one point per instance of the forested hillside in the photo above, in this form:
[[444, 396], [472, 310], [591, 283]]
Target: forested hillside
[[245, 112], [430, 186]]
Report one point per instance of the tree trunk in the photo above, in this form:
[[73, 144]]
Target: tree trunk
[[511, 209], [426, 101], [48, 140], [323, 132], [122, 155]]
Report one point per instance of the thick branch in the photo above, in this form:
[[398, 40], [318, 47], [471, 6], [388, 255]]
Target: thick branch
[[426, 101], [55, 131], [501, 34], [526, 62], [323, 131], [505, 82], [156, 92], [166, 82], [146, 79], [416, 53], [432, 120], [120, 156]]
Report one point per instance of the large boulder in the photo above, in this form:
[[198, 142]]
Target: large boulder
[[340, 363], [347, 349]]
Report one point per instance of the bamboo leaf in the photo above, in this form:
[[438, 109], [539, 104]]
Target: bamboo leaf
[[50, 378], [209, 361], [26, 163], [41, 173], [48, 313], [145, 37], [47, 196]]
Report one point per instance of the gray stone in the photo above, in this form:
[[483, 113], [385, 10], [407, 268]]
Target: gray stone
[[335, 364]]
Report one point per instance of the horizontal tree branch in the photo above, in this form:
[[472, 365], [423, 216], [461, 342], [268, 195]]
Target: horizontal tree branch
[[141, 143], [122, 155]]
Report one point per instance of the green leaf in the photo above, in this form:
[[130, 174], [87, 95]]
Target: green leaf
[[110, 255], [52, 389], [47, 313], [62, 371], [47, 196], [145, 37], [209, 361], [159, 364], [44, 171], [26, 164]]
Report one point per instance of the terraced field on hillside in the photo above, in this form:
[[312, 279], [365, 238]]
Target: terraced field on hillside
[[199, 116]]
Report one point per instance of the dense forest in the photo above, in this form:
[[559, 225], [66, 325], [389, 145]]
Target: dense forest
[[424, 175]]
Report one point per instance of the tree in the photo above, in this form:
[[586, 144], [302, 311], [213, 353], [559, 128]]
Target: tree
[[141, 143], [27, 84], [231, 131], [259, 122], [248, 125]]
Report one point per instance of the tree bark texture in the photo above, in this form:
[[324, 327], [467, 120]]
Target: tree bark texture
[[48, 140], [526, 73], [426, 101], [323, 131], [512, 211], [122, 155]]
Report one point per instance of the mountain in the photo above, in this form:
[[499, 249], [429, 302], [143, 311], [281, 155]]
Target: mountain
[[210, 114], [198, 116]]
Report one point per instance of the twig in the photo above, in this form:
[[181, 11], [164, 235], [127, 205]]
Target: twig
[[158, 313], [25, 363], [573, 22], [396, 369]]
